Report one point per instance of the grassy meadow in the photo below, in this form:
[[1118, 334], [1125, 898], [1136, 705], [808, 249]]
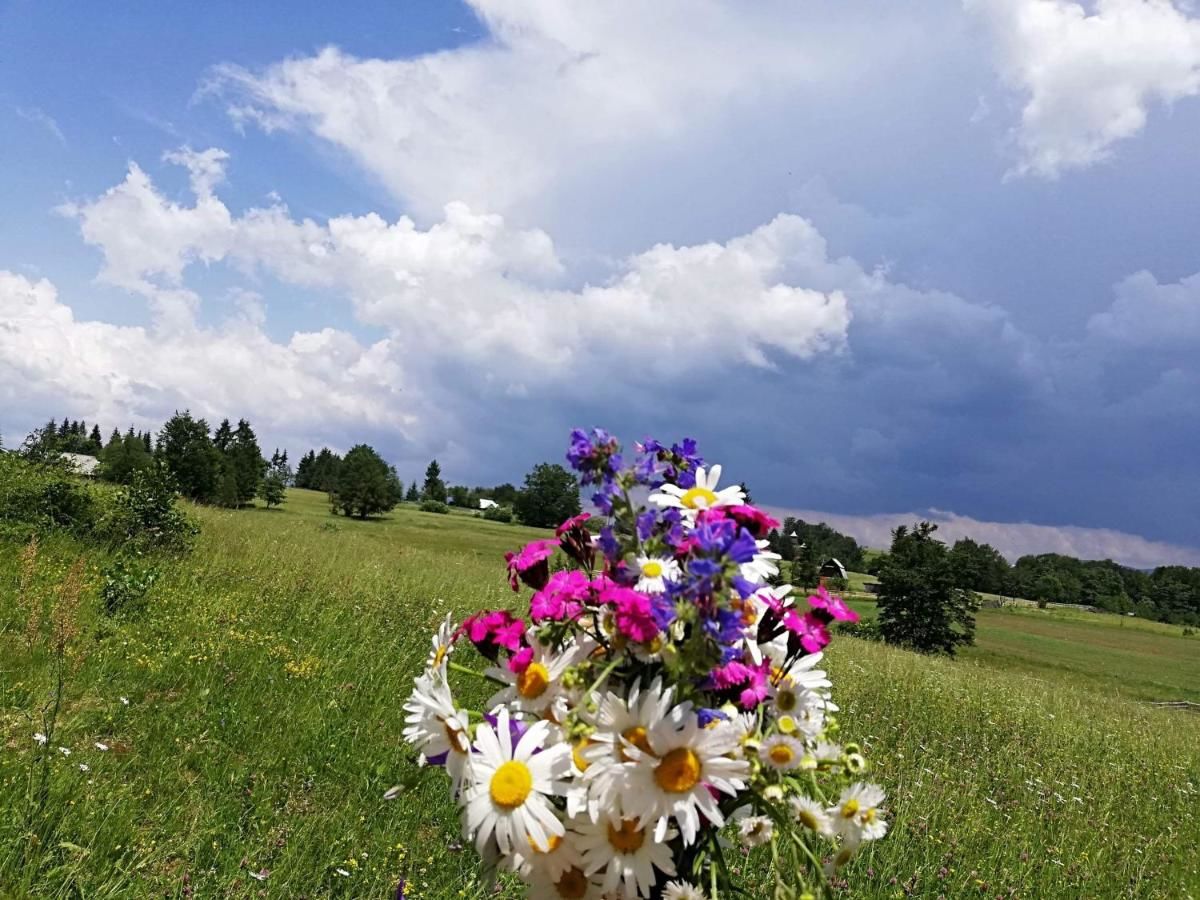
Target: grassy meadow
[[252, 719]]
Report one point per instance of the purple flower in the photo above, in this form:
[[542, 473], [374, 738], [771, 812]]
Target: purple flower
[[831, 607], [645, 524], [808, 629], [596, 456]]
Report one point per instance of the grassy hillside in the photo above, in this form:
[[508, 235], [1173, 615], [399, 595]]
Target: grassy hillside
[[265, 680]]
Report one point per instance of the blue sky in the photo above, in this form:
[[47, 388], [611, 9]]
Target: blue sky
[[881, 261]]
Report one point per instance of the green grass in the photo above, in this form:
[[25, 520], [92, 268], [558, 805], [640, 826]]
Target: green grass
[[265, 681]]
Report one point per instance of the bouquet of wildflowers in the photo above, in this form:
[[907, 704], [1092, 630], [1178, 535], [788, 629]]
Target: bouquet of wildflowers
[[658, 699]]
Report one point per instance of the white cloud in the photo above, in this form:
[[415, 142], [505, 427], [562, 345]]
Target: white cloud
[[486, 292], [315, 383], [1013, 539], [1089, 75], [44, 119]]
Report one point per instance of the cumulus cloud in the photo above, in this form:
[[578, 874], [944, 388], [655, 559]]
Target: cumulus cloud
[[1088, 76], [317, 383], [1013, 539], [472, 282]]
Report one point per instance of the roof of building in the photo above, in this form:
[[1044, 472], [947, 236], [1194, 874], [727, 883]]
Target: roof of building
[[82, 463]]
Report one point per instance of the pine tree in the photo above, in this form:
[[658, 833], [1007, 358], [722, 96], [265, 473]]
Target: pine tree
[[274, 484], [246, 461], [365, 485], [223, 437], [304, 471], [95, 441], [413, 495], [434, 488]]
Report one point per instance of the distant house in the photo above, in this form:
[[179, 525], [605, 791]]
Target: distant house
[[485, 503], [82, 464], [831, 568]]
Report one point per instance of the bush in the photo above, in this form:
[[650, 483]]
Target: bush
[[498, 514], [44, 495], [125, 583], [866, 629], [143, 516], [434, 506]]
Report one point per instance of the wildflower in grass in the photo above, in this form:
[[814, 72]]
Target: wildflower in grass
[[65, 751], [103, 748], [654, 572], [85, 768], [124, 701], [40, 739], [509, 786], [531, 564]]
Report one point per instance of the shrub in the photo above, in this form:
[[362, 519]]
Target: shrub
[[43, 495], [434, 506], [867, 629], [125, 583], [498, 514], [143, 516]]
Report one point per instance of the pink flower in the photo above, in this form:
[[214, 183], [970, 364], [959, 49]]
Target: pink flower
[[530, 564], [520, 660], [562, 598], [753, 681], [571, 523], [753, 519], [831, 607], [809, 629], [489, 631], [576, 540], [633, 612]]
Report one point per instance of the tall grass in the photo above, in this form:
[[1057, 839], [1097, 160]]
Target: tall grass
[[265, 679]]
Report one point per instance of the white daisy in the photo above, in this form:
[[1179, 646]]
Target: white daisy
[[40, 739], [435, 727], [743, 727], [704, 495], [672, 778], [570, 884], [443, 646], [538, 687], [626, 853], [681, 890], [756, 831], [781, 752], [509, 787], [811, 814], [764, 564], [550, 862], [655, 572], [857, 816], [621, 724]]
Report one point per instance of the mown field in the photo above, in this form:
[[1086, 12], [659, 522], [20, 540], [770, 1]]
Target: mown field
[[264, 683]]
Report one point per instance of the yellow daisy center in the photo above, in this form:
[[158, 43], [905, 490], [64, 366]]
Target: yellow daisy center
[[869, 816], [698, 498], [532, 683], [785, 700], [786, 724], [511, 784], [849, 808], [572, 885], [636, 736], [458, 740], [553, 841], [440, 654], [581, 762], [652, 569], [628, 838], [679, 771], [807, 819], [781, 754]]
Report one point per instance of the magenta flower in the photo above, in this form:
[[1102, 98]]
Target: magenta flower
[[520, 660], [490, 631], [808, 629], [531, 564], [831, 607], [633, 612], [562, 598], [576, 540], [753, 519], [748, 681]]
